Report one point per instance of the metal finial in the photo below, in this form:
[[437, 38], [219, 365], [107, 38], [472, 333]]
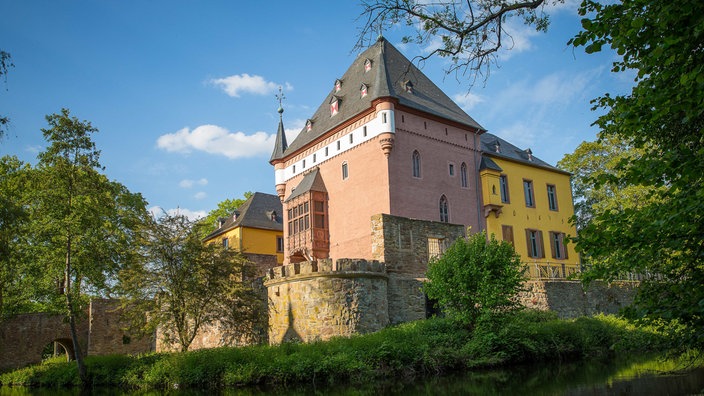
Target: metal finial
[[280, 97]]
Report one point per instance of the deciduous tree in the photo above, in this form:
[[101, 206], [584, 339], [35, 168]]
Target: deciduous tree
[[5, 65], [83, 227], [184, 284], [663, 44], [476, 277]]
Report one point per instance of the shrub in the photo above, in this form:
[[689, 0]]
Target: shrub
[[476, 277]]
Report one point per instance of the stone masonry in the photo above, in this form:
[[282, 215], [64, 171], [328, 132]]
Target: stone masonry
[[313, 301]]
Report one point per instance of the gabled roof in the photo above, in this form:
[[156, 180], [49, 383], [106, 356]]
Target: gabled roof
[[389, 72], [311, 182], [256, 212], [511, 152], [488, 163]]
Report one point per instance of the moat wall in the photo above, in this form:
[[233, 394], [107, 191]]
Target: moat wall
[[570, 299]]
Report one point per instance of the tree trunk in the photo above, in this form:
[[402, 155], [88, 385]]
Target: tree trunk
[[78, 353]]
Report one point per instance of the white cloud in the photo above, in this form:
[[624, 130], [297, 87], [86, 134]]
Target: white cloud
[[213, 139], [244, 83], [188, 183], [158, 211], [467, 101], [200, 195]]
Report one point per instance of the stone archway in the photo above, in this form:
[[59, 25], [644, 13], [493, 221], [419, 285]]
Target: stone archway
[[23, 338]]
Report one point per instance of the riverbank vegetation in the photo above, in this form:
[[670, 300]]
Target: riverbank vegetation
[[423, 348]]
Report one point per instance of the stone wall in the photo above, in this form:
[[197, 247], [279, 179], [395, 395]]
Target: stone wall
[[312, 301], [569, 299], [402, 244], [262, 263], [109, 332]]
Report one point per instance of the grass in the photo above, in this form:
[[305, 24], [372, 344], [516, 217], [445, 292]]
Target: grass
[[415, 349]]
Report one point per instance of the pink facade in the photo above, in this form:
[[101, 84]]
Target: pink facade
[[358, 149]]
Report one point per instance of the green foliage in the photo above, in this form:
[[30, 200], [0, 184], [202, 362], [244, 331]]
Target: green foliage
[[415, 349], [475, 278], [182, 284], [597, 183], [663, 116], [69, 227]]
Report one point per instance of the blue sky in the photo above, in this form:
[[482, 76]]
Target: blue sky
[[183, 92]]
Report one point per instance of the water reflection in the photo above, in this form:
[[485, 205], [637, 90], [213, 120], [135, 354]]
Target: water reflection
[[635, 376]]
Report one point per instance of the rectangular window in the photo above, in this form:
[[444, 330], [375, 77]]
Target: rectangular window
[[314, 158], [304, 164], [345, 172], [436, 247], [326, 151], [383, 118], [279, 244], [364, 129], [534, 239], [507, 234], [452, 169], [338, 145], [225, 243], [552, 197], [351, 138], [319, 220], [503, 181], [557, 245], [528, 193]]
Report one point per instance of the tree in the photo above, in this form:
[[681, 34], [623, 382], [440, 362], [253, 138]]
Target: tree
[[183, 284], [476, 278], [590, 164], [83, 227], [14, 290], [224, 209], [663, 115], [5, 65], [470, 32]]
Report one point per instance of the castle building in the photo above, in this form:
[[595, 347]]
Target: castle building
[[386, 140], [528, 203], [383, 177], [255, 229]]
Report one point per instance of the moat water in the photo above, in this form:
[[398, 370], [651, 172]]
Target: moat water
[[624, 376]]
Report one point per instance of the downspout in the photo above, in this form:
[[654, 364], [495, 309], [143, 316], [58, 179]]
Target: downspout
[[476, 183]]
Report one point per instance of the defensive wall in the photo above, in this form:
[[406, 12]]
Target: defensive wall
[[570, 299], [101, 331]]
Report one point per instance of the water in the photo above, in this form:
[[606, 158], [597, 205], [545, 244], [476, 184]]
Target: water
[[624, 376]]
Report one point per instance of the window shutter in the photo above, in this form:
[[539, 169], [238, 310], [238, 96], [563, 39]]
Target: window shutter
[[564, 245], [541, 250], [553, 248], [530, 250]]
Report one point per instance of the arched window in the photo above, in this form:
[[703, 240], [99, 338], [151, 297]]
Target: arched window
[[444, 216], [416, 163], [463, 175]]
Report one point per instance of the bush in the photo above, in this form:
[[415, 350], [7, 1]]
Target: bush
[[476, 277]]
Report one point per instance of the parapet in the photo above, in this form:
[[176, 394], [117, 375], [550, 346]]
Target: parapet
[[341, 268]]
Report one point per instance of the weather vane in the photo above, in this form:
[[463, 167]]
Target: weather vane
[[280, 96]]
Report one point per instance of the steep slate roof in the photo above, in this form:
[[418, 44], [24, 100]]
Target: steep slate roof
[[311, 181], [255, 213], [488, 163], [280, 145], [510, 152], [386, 78]]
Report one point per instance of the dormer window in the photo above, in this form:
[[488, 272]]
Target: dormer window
[[334, 105], [273, 216], [529, 153], [338, 85], [309, 125], [408, 86], [363, 90], [497, 146], [367, 65]]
